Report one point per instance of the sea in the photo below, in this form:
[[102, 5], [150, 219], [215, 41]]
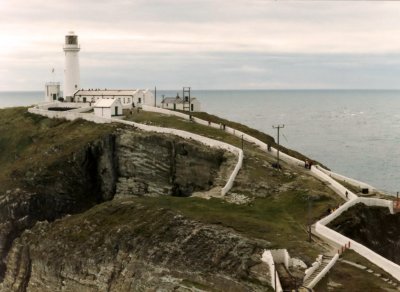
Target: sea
[[353, 132]]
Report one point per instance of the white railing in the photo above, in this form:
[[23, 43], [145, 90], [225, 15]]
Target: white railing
[[329, 234], [323, 272], [315, 265], [269, 260], [349, 180]]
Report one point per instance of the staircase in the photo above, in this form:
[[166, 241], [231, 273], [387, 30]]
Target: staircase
[[325, 261]]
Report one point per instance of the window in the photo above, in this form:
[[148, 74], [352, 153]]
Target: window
[[140, 100]]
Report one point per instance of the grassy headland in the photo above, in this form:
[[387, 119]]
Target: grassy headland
[[277, 210], [30, 142]]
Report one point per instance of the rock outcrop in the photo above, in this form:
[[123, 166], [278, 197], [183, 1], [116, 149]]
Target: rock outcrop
[[68, 186], [155, 164], [124, 245], [373, 227], [133, 162]]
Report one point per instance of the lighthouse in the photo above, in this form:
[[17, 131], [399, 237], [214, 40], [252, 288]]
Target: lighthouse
[[71, 70]]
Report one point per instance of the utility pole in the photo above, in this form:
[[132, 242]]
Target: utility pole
[[155, 96], [309, 218], [242, 142], [278, 127]]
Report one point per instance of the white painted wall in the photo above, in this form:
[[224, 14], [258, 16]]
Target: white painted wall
[[71, 70], [51, 89], [349, 180], [341, 240], [281, 256], [323, 272], [269, 260], [315, 265], [333, 184], [104, 112]]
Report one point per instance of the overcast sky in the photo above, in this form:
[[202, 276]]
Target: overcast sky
[[206, 44]]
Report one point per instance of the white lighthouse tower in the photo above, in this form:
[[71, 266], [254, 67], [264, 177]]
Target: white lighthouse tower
[[71, 71]]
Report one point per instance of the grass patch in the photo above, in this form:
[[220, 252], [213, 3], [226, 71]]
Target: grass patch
[[252, 132], [29, 142], [349, 278], [280, 220]]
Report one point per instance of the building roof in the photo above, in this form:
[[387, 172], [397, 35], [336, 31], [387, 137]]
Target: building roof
[[177, 100], [172, 100], [106, 103], [109, 92]]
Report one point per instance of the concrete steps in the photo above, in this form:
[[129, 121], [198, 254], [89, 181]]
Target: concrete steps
[[325, 261]]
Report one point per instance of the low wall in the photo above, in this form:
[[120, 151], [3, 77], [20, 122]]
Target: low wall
[[47, 105], [327, 233], [269, 260], [281, 256], [69, 115], [313, 267], [336, 186], [186, 135], [349, 180], [323, 272]]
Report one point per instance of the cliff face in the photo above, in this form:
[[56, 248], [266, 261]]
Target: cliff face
[[151, 164], [54, 182], [373, 227], [123, 245], [67, 186]]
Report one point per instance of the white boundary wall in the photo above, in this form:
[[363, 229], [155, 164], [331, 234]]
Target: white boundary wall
[[269, 260], [315, 265], [327, 233], [187, 135], [337, 187], [281, 256], [323, 272], [349, 180]]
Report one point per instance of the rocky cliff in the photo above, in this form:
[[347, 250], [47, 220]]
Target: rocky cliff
[[154, 164], [123, 245], [373, 227], [69, 167]]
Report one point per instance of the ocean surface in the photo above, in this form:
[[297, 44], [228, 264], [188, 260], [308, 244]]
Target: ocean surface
[[353, 132]]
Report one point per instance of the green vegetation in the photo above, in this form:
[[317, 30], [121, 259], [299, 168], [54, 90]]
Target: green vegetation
[[278, 214], [252, 132], [344, 277], [278, 210], [29, 142], [281, 220]]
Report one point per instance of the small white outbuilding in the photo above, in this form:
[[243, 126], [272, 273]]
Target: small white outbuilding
[[108, 108]]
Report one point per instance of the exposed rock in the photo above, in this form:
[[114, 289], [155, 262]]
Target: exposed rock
[[125, 246], [158, 164], [88, 177], [148, 163], [373, 227]]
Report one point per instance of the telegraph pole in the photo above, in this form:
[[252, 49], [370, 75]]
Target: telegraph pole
[[309, 218], [155, 96], [278, 127]]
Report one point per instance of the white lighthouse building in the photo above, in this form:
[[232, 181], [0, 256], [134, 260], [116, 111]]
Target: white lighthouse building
[[71, 71]]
